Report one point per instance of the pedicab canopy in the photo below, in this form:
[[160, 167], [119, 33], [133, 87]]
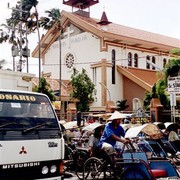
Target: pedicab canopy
[[167, 124], [127, 126], [149, 129], [173, 127], [70, 125], [92, 126]]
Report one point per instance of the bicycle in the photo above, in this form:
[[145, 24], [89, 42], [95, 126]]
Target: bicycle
[[130, 164], [74, 160], [103, 165]]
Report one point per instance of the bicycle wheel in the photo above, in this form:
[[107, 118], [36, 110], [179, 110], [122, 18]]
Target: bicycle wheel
[[93, 169], [81, 157], [68, 153], [68, 166], [68, 160]]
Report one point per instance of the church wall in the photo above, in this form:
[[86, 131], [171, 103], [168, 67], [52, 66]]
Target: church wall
[[85, 49], [52, 60], [122, 57], [86, 52], [115, 89], [96, 80], [130, 91]]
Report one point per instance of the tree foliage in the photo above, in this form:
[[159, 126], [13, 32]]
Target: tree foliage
[[121, 105], [83, 89], [45, 88], [171, 69], [25, 20], [30, 21], [53, 17], [159, 90], [175, 51]]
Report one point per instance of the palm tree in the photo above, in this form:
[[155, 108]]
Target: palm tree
[[23, 14], [21, 18], [121, 105], [53, 17], [53, 20], [30, 20]]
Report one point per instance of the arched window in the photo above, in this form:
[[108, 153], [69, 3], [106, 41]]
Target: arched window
[[113, 66], [135, 60], [154, 62], [147, 64], [164, 62], [129, 59]]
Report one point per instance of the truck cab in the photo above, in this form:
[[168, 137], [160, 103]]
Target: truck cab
[[31, 140]]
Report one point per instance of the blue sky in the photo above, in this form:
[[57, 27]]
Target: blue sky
[[158, 16]]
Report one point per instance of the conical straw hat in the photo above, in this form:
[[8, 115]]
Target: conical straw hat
[[117, 115]]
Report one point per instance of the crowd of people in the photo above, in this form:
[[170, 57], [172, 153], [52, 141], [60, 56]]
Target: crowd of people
[[111, 135], [103, 137]]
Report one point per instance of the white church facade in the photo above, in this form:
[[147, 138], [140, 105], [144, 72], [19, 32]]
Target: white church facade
[[122, 62]]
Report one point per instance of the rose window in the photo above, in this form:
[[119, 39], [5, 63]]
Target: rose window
[[69, 61]]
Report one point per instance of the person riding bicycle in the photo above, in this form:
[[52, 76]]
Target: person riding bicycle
[[113, 132]]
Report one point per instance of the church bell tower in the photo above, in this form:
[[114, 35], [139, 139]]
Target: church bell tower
[[81, 6]]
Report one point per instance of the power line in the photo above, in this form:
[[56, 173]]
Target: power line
[[92, 62]]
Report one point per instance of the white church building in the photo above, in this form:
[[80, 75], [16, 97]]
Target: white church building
[[121, 61]]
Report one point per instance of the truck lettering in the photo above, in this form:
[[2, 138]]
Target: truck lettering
[[21, 165], [17, 97]]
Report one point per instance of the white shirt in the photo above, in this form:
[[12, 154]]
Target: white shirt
[[173, 136]]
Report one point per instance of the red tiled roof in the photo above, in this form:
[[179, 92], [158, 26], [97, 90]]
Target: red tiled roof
[[115, 33], [54, 85], [134, 33]]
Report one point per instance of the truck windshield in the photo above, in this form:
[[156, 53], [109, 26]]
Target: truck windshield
[[19, 114]]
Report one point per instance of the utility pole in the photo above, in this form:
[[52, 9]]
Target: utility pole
[[21, 52], [39, 47], [20, 45], [60, 79]]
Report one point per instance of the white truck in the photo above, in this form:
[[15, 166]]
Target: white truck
[[31, 145]]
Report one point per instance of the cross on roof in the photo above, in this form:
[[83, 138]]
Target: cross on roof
[[68, 34]]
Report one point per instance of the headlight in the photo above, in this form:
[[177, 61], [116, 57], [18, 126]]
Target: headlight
[[45, 170], [53, 169]]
